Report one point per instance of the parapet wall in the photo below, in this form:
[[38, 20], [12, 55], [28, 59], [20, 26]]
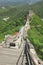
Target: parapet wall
[[33, 55]]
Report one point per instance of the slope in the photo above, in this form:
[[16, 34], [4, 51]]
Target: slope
[[35, 34], [16, 19], [38, 8]]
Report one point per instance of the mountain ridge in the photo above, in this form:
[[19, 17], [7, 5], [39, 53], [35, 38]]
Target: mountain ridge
[[6, 2]]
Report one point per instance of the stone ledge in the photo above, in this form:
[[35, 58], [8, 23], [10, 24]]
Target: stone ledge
[[33, 54]]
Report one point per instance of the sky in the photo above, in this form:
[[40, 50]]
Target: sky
[[2, 1], [20, 0]]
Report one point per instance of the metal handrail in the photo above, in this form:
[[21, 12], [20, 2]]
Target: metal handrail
[[29, 62], [19, 58]]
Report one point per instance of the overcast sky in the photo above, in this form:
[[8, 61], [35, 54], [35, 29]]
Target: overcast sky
[[18, 1]]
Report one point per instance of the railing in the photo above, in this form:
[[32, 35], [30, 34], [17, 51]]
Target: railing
[[28, 57], [21, 55], [19, 58], [28, 60], [31, 57]]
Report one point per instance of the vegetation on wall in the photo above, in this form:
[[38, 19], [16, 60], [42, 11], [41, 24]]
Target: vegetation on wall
[[35, 34]]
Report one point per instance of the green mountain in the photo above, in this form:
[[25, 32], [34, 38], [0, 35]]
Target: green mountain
[[11, 19], [14, 2], [35, 34], [38, 8]]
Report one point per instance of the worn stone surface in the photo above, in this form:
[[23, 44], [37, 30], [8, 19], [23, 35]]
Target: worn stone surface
[[9, 56]]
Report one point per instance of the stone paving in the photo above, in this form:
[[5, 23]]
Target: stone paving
[[9, 56]]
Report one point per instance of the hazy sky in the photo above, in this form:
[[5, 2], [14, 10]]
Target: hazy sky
[[18, 1]]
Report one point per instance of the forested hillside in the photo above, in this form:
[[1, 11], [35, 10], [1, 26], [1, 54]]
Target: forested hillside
[[35, 34], [38, 8], [16, 19]]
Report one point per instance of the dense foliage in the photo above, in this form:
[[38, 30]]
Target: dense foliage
[[35, 34], [16, 20], [38, 8]]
